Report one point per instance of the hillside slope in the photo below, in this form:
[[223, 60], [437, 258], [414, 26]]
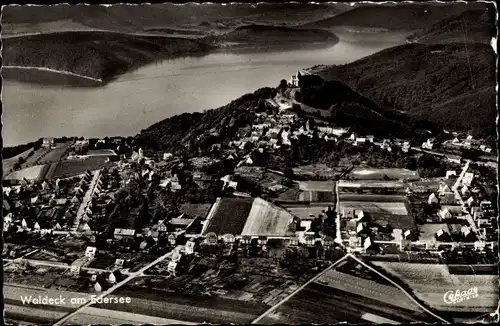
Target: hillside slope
[[125, 17], [99, 55], [474, 26], [259, 34], [398, 16], [449, 84], [343, 106], [191, 130], [347, 108]]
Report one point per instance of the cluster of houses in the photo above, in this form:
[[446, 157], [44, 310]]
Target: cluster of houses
[[62, 206], [468, 142], [477, 218]]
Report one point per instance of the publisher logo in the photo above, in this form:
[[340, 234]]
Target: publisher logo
[[453, 297]]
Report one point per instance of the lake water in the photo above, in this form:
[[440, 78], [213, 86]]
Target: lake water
[[152, 93]]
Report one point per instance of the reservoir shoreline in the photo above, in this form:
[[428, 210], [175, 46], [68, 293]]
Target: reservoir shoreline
[[156, 91]]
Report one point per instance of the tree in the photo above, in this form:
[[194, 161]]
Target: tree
[[283, 84]]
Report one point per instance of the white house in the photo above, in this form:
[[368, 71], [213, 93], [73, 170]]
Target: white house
[[360, 228], [189, 247], [450, 173], [443, 188], [90, 252], [48, 142], [124, 233], [467, 179], [429, 144], [360, 140], [444, 214], [465, 190], [432, 199], [465, 230], [112, 278], [406, 146], [441, 233]]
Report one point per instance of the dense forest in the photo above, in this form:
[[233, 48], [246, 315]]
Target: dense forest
[[190, 131], [451, 85], [472, 26], [349, 109], [8, 152], [398, 16], [274, 34], [100, 55]]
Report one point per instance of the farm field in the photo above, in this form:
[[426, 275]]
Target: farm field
[[392, 208], [101, 152], [56, 154], [428, 231], [429, 283], [303, 212], [383, 174], [266, 219], [16, 310], [372, 198], [230, 216], [39, 153], [321, 304], [369, 184], [316, 196], [386, 294], [196, 309], [350, 292], [196, 209], [30, 173], [316, 185], [69, 168], [51, 170], [96, 316], [473, 269], [8, 163], [36, 316]]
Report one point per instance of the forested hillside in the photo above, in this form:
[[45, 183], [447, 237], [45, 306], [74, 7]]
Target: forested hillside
[[472, 26], [452, 85], [100, 55]]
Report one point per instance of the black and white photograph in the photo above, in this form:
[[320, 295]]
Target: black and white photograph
[[250, 163]]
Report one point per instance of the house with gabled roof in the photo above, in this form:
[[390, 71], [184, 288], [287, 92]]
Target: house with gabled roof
[[432, 199], [444, 214]]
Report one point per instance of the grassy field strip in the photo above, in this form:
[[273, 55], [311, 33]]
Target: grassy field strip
[[399, 287], [30, 173], [94, 316], [114, 287], [390, 198], [369, 184], [186, 312], [15, 293], [32, 314], [394, 208], [373, 290], [316, 185], [303, 212], [298, 290], [378, 319], [8, 163], [431, 282], [266, 219]]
